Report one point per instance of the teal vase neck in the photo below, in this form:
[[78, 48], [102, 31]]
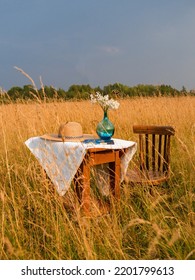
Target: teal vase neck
[[105, 114]]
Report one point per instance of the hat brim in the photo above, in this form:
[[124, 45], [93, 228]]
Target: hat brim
[[55, 137]]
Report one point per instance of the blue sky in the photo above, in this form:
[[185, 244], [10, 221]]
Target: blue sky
[[97, 42]]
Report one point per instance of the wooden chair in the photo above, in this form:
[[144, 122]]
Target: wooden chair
[[154, 155]]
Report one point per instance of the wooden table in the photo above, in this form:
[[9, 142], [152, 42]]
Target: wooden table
[[67, 161], [96, 156]]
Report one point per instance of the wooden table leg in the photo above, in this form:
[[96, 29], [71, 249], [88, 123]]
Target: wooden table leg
[[78, 182], [115, 175], [83, 176], [86, 188]]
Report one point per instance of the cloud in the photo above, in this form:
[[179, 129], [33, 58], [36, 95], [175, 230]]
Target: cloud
[[109, 49]]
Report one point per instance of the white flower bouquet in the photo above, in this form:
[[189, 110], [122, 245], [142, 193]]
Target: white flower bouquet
[[104, 101]]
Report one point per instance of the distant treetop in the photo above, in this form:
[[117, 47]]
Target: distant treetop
[[82, 92]]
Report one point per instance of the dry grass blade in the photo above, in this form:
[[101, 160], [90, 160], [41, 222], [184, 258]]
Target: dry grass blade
[[33, 83], [37, 224]]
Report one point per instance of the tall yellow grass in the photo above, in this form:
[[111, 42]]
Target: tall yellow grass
[[36, 223]]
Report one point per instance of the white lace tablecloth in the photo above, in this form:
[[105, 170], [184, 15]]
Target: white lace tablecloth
[[61, 160]]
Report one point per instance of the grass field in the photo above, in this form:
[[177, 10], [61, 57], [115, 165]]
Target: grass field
[[36, 223]]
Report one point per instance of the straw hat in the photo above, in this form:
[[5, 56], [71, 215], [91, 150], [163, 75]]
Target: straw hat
[[68, 132]]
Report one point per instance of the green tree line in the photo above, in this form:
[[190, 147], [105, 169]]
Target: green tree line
[[80, 92]]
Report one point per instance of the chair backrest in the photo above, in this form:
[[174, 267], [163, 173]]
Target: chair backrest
[[154, 147]]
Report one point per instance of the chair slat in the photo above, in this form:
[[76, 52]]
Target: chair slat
[[167, 155], [164, 154], [147, 151], [159, 152], [141, 152], [153, 151]]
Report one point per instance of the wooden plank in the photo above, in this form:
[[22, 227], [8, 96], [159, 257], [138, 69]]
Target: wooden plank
[[117, 175], [153, 151], [141, 152], [154, 129], [101, 157], [159, 152], [147, 151], [86, 201]]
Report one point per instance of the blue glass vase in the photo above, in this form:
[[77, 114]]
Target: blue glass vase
[[105, 129]]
